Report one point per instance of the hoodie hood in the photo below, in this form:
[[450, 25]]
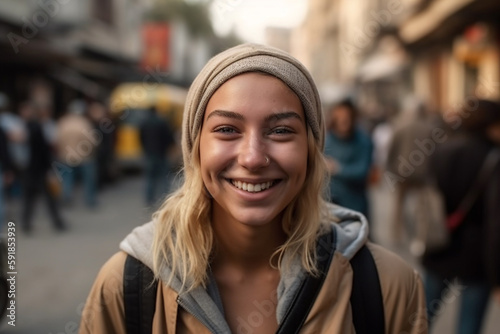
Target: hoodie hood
[[351, 231]]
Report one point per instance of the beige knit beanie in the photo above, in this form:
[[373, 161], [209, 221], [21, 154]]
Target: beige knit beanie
[[249, 58]]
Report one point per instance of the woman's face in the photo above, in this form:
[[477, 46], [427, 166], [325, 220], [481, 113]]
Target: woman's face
[[250, 117]]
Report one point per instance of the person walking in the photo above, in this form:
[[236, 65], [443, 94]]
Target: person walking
[[349, 152], [6, 175], [14, 126], [472, 258], [156, 140], [35, 177], [407, 173], [76, 148], [235, 245], [105, 133]]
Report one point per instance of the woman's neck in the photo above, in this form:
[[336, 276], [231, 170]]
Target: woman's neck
[[243, 247]]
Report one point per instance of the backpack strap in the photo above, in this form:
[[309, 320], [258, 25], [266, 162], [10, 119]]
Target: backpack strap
[[366, 296], [139, 296], [309, 290]]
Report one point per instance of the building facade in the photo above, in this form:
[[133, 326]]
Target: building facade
[[441, 51], [71, 48]]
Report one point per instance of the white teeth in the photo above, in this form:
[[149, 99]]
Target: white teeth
[[252, 187]]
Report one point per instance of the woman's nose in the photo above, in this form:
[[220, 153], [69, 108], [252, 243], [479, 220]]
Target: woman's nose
[[253, 152]]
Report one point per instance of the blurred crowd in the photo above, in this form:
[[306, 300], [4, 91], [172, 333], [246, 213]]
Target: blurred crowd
[[72, 158], [413, 154]]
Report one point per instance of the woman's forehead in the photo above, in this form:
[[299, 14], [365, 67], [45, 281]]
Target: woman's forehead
[[254, 79], [252, 92]]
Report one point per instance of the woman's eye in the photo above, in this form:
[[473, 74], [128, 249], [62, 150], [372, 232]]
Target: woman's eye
[[281, 131], [225, 129]]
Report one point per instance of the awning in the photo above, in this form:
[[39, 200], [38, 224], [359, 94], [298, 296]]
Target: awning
[[389, 59], [78, 82], [430, 19], [333, 92]]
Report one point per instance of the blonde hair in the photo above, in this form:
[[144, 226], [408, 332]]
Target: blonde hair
[[184, 240]]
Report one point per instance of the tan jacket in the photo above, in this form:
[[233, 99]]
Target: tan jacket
[[401, 286]]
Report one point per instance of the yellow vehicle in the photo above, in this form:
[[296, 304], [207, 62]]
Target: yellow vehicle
[[129, 103]]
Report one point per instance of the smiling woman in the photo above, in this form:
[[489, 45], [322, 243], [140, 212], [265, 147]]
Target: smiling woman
[[238, 243]]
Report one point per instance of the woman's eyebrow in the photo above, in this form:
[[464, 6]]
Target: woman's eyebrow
[[227, 114], [273, 117], [283, 115]]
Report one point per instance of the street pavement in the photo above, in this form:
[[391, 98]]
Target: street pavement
[[56, 270]]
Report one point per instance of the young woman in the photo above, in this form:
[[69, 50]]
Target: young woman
[[232, 246]]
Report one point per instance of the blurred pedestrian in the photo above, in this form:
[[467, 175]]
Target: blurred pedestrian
[[407, 166], [48, 123], [49, 126], [105, 130], [14, 126], [157, 139], [236, 245], [76, 147], [6, 175], [473, 255], [349, 152], [36, 174], [381, 138]]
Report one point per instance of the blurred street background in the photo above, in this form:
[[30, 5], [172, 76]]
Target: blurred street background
[[91, 100]]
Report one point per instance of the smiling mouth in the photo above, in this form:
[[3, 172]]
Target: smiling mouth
[[253, 187]]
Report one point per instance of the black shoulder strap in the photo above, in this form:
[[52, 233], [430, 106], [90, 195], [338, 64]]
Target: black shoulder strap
[[139, 296], [305, 297], [366, 297]]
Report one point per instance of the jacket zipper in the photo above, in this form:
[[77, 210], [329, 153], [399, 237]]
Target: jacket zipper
[[186, 307]]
